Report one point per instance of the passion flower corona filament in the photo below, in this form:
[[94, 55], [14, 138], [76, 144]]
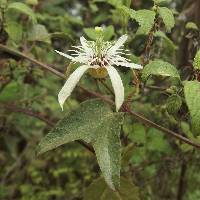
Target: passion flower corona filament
[[98, 57]]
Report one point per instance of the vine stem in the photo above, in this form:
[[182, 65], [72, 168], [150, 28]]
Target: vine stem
[[39, 116], [124, 108]]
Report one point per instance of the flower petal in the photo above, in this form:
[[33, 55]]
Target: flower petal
[[83, 42], [65, 55], [117, 86], [70, 84], [87, 49], [118, 44], [130, 65]]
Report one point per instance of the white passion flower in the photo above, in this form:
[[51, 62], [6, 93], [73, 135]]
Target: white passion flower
[[98, 57]]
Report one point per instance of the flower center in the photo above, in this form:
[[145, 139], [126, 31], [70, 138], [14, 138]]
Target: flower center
[[101, 61]]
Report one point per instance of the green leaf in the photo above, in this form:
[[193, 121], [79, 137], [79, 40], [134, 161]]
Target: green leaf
[[39, 33], [99, 190], [145, 18], [94, 123], [196, 62], [174, 103], [3, 3], [108, 32], [168, 17], [156, 141], [127, 3], [159, 67], [168, 41], [157, 2], [23, 8], [14, 30], [114, 3], [192, 26], [192, 97], [90, 32], [138, 134], [124, 10], [11, 92], [186, 129], [32, 2]]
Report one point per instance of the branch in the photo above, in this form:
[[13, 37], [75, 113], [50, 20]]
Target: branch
[[161, 128], [95, 94], [29, 112], [37, 115], [21, 55]]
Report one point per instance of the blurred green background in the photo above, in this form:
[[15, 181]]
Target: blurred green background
[[161, 167]]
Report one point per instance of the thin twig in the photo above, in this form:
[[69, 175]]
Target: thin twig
[[163, 129], [95, 94], [27, 112], [21, 55], [37, 115]]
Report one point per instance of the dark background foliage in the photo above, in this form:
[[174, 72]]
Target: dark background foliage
[[162, 167]]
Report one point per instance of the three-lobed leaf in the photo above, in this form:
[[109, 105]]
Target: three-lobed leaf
[[192, 97], [94, 123], [159, 67]]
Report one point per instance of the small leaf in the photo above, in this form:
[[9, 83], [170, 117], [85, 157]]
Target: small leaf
[[126, 11], [174, 103], [3, 3], [196, 62], [114, 3], [145, 18], [90, 32], [99, 190], [94, 123], [168, 41], [14, 30], [32, 2], [159, 67], [157, 2], [156, 141], [138, 134], [127, 3], [168, 17], [39, 33], [108, 32], [192, 97], [11, 92], [192, 26], [186, 129], [23, 8]]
